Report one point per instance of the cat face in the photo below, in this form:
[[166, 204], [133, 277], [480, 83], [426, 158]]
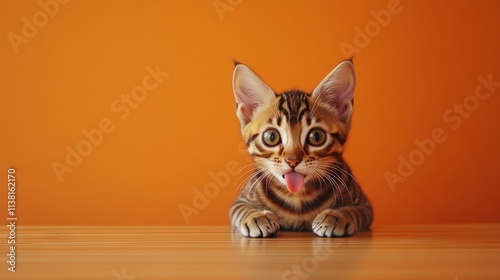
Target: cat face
[[295, 136]]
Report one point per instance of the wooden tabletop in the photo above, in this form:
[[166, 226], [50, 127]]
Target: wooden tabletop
[[453, 252]]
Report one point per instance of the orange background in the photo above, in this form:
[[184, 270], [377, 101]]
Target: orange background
[[65, 78]]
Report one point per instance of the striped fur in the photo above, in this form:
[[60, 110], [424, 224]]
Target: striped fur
[[331, 202]]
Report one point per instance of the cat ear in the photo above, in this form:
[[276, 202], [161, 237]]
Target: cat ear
[[250, 92], [337, 90]]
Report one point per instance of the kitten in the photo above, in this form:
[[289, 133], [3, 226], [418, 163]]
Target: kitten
[[296, 140]]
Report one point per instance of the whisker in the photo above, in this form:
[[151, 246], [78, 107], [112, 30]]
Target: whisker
[[245, 182], [334, 177], [335, 186], [254, 186], [253, 164], [333, 173], [347, 173], [245, 174], [322, 178]]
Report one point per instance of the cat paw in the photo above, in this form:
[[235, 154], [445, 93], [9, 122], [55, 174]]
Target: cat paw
[[332, 223], [260, 224]]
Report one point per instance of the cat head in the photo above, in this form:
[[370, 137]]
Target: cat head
[[295, 136]]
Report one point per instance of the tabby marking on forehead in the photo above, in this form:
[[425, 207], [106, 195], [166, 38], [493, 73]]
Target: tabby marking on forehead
[[296, 141], [293, 105]]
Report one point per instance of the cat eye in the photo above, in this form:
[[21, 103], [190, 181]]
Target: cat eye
[[271, 137], [316, 137]]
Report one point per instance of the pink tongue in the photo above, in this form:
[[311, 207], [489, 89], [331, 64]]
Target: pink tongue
[[294, 181]]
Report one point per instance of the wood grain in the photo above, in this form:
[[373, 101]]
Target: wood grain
[[439, 252]]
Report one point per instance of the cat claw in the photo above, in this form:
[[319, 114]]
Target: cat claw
[[331, 223], [260, 224]]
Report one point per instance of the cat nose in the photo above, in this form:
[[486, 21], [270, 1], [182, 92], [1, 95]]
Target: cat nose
[[293, 162]]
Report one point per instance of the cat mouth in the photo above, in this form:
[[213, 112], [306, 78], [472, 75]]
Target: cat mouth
[[294, 181]]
